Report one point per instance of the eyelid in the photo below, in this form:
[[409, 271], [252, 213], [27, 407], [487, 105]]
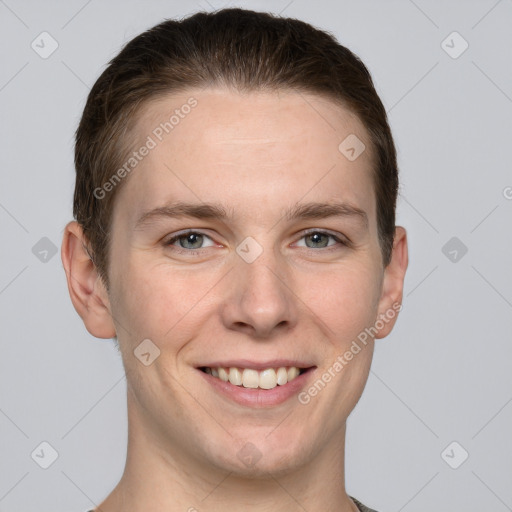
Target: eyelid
[[175, 237], [340, 238], [334, 234]]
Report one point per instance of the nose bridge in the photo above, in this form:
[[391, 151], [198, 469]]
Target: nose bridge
[[260, 297]]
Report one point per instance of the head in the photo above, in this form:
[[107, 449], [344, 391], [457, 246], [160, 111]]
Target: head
[[235, 199]]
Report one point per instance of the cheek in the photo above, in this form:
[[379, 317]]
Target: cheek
[[157, 301], [141, 299], [160, 302], [345, 299]]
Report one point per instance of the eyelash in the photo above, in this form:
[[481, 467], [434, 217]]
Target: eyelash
[[195, 252]]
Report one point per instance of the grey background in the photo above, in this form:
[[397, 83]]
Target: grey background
[[443, 374]]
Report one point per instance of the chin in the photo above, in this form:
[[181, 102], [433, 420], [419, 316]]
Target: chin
[[262, 454]]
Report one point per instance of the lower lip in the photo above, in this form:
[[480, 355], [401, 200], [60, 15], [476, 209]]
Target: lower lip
[[256, 397]]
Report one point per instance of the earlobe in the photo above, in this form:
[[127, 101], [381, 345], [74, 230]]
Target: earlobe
[[393, 283], [86, 289]]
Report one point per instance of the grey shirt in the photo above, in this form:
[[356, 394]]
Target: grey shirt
[[360, 506]]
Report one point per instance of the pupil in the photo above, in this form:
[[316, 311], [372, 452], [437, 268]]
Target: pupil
[[190, 239], [315, 237]]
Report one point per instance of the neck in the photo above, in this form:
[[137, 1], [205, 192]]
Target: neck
[[159, 477]]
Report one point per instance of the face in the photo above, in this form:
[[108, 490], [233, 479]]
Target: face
[[269, 284]]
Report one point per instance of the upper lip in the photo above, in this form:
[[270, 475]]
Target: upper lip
[[253, 365]]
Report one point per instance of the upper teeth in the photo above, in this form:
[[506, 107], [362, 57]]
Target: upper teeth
[[248, 378]]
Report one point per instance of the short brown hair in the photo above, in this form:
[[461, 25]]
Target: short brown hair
[[238, 48]]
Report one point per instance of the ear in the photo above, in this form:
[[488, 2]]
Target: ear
[[86, 288], [393, 284]]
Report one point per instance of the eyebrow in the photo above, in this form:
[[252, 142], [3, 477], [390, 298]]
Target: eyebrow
[[302, 211]]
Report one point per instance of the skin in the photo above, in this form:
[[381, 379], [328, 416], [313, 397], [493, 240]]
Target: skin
[[257, 154]]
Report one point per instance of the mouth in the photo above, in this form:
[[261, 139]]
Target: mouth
[[255, 388], [251, 378]]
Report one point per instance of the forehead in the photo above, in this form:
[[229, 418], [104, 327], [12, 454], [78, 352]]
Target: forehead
[[269, 148]]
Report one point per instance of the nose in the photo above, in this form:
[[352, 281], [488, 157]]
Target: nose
[[260, 301]]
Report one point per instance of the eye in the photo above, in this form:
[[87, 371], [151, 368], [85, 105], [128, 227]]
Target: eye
[[320, 239], [189, 241]]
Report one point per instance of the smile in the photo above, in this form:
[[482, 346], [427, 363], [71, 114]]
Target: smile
[[257, 388], [250, 378]]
